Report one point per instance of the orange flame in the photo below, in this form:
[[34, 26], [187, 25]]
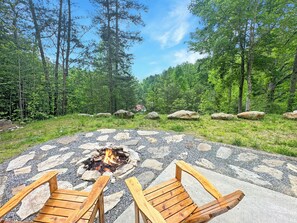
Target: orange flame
[[109, 158]]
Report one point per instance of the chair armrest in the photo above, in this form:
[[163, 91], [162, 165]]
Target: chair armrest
[[93, 196], [14, 201], [145, 207], [183, 166]]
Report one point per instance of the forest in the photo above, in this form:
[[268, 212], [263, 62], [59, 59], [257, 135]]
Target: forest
[[48, 69]]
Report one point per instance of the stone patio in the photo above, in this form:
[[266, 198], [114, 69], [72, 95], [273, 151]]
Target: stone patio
[[156, 151]]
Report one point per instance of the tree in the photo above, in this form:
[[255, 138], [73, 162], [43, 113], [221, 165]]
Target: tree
[[116, 40], [57, 58], [237, 33], [42, 54]]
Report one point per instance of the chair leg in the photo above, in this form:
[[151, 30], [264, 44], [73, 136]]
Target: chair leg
[[101, 208], [136, 213]]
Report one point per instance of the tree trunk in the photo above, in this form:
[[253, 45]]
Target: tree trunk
[[241, 82], [292, 92], [21, 102], [230, 98], [57, 60], [270, 95], [109, 58], [15, 35], [65, 73], [250, 68], [40, 46], [117, 53]]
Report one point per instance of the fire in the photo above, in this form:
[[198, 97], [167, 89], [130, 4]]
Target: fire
[[109, 157]]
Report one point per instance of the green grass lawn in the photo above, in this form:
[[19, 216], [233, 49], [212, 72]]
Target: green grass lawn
[[272, 134]]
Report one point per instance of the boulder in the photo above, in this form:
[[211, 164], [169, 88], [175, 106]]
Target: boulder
[[5, 122], [222, 116], [252, 115], [6, 125], [90, 175], [184, 114], [152, 115], [103, 115], [290, 115], [124, 114]]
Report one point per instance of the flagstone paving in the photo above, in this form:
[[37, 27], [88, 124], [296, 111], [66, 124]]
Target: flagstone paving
[[155, 151]]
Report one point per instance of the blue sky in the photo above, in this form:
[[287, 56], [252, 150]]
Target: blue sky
[[168, 25]]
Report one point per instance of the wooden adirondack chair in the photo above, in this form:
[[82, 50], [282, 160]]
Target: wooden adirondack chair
[[63, 206], [169, 202]]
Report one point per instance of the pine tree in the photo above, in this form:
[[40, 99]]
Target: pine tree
[[116, 40]]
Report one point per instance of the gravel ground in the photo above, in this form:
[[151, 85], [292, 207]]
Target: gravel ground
[[188, 144]]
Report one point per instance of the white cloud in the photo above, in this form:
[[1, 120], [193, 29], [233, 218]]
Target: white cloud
[[172, 28], [183, 55]]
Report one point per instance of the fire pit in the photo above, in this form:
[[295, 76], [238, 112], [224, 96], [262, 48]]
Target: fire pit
[[107, 159], [115, 161]]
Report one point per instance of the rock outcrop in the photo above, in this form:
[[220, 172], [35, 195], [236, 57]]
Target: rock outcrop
[[124, 114], [7, 125], [152, 115], [184, 114], [252, 115], [290, 115], [223, 116]]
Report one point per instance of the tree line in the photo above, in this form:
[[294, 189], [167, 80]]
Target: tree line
[[251, 63], [48, 68]]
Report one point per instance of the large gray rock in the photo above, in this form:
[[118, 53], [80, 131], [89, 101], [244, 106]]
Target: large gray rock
[[224, 152], [20, 161], [124, 114], [152, 164], [5, 122], [146, 133], [122, 136], [33, 202], [89, 146], [3, 180], [67, 139], [47, 147], [145, 177], [293, 181], [222, 116], [152, 115], [246, 157], [174, 138], [54, 161], [159, 152], [37, 176], [122, 170], [91, 175], [290, 115], [6, 125], [248, 175], [269, 170], [252, 115], [112, 200], [184, 114], [205, 163], [204, 147], [23, 170]]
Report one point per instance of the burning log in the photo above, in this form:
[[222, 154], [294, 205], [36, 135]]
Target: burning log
[[107, 159]]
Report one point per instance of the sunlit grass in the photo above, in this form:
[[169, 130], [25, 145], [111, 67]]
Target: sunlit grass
[[272, 134]]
